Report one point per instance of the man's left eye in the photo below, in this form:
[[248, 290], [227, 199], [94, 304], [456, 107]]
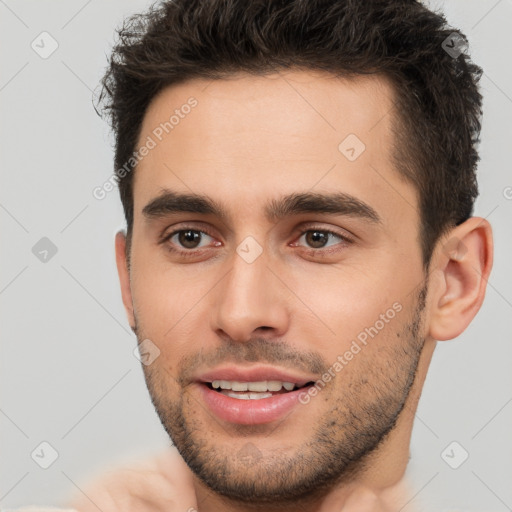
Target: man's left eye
[[316, 238]]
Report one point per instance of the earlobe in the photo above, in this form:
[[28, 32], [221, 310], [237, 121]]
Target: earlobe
[[124, 276], [464, 260]]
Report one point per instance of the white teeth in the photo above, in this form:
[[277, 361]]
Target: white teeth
[[274, 385], [247, 396], [257, 386], [239, 386], [260, 387], [256, 396]]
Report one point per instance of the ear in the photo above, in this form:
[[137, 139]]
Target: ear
[[464, 261], [124, 277]]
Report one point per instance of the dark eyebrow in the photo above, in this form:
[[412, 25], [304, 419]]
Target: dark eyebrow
[[338, 203]]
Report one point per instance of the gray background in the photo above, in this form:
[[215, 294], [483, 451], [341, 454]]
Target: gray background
[[67, 369]]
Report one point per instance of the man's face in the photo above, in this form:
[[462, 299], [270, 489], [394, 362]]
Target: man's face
[[278, 295]]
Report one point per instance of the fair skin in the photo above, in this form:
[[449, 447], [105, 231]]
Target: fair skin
[[250, 140]]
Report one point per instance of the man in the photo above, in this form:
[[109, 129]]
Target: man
[[298, 181]]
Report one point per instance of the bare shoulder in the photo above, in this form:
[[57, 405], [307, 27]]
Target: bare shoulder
[[160, 482]]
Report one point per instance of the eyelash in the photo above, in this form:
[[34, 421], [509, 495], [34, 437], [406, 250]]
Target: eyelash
[[193, 252]]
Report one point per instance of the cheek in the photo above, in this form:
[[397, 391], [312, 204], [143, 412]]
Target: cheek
[[339, 305], [165, 315], [164, 298]]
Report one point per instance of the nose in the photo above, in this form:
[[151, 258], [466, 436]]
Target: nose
[[250, 300]]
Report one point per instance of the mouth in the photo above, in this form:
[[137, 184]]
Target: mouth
[[257, 390], [251, 396]]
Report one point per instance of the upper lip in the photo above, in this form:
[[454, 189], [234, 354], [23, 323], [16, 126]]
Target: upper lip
[[254, 374]]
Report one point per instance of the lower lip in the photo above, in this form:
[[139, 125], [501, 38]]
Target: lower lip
[[252, 411]]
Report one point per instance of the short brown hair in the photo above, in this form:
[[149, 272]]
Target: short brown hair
[[438, 106]]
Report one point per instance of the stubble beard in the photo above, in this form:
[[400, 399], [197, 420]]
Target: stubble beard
[[358, 421]]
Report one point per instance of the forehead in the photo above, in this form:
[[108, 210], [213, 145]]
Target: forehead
[[245, 139]]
